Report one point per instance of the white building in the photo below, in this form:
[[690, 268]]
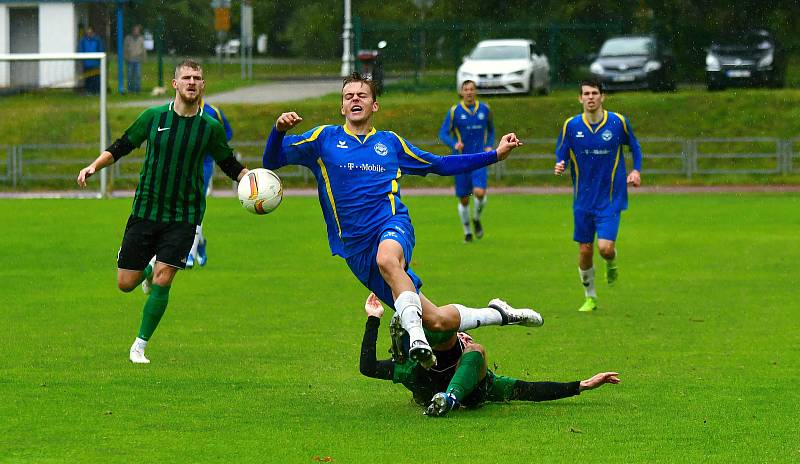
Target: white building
[[40, 27]]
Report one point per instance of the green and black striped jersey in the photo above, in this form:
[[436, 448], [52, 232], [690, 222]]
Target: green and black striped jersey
[[171, 187]]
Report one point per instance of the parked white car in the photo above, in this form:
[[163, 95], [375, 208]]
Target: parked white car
[[506, 66]]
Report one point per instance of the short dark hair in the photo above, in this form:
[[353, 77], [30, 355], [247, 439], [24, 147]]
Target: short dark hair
[[188, 63], [356, 77], [468, 81], [590, 82]]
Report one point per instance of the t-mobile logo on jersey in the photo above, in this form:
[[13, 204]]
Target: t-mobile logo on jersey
[[364, 167]]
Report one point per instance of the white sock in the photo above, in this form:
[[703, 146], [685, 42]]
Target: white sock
[[196, 242], [409, 307], [587, 279], [463, 213], [199, 236], [479, 204], [472, 318], [139, 344]]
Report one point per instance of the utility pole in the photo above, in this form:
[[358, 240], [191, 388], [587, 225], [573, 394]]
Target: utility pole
[[347, 41]]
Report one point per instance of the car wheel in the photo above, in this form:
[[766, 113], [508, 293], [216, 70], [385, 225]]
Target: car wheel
[[545, 90]]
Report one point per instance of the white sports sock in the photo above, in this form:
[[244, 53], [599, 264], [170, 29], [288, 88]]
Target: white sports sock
[[587, 279], [479, 204], [463, 213], [409, 307], [140, 344], [200, 237], [472, 318], [196, 242]]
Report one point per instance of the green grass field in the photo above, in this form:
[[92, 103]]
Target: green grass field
[[256, 359]]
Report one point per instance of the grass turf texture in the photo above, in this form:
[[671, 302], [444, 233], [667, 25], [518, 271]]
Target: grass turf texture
[[256, 359]]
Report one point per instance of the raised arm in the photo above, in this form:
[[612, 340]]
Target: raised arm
[[369, 364], [282, 149]]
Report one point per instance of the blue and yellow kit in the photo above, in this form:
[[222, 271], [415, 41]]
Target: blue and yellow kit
[[597, 162], [358, 177], [472, 126]]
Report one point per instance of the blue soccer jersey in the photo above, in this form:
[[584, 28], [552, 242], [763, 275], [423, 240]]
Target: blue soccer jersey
[[596, 160], [208, 161], [474, 127], [358, 176]]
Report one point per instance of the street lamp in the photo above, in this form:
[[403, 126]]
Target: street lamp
[[347, 41]]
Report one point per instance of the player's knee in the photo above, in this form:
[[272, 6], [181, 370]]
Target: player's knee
[[606, 251], [435, 321], [126, 285], [387, 262], [586, 249]]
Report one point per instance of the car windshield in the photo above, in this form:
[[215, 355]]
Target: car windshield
[[500, 52], [627, 46]]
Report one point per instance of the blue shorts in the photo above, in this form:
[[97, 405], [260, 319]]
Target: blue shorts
[[606, 226], [208, 170], [468, 181], [364, 265]]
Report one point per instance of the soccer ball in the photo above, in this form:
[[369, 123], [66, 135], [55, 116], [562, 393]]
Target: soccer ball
[[260, 191]]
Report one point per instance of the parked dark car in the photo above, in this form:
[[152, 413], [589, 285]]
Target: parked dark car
[[634, 62], [752, 58]]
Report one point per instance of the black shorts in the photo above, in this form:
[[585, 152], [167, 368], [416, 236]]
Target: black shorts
[[169, 242]]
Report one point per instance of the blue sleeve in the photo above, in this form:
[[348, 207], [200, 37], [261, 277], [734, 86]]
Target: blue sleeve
[[420, 163], [226, 125], [282, 149], [446, 131], [562, 144], [636, 149], [489, 141]]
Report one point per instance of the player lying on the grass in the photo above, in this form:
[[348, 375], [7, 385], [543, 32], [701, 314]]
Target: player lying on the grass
[[460, 376], [358, 170]]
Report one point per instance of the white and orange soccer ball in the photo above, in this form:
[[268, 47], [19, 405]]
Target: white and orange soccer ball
[[260, 191]]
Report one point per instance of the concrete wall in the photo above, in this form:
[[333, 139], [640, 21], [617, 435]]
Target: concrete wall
[[58, 33]]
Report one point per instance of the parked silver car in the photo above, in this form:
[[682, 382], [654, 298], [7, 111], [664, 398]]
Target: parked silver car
[[506, 66]]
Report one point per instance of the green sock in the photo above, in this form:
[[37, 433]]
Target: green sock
[[467, 375], [147, 272], [502, 389], [154, 308]]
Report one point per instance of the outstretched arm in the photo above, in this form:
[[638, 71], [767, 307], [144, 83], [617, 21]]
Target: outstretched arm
[[420, 162], [547, 391], [599, 380]]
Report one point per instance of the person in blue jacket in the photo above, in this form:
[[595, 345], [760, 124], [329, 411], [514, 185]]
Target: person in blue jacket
[[91, 43]]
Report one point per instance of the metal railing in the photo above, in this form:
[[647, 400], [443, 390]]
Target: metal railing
[[52, 164]]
